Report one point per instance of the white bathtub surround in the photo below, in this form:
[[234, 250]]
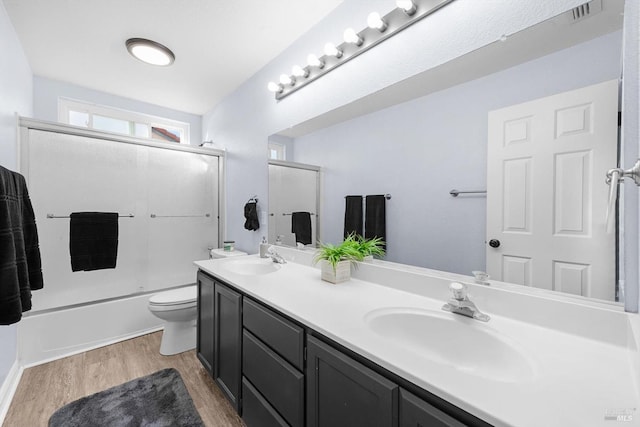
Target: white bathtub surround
[[48, 336], [540, 360]]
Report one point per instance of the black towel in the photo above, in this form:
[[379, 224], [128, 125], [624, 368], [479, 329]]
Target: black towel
[[251, 215], [20, 265], [93, 240], [301, 227], [375, 218], [353, 216]]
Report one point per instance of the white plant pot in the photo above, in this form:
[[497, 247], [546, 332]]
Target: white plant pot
[[368, 258], [342, 273]]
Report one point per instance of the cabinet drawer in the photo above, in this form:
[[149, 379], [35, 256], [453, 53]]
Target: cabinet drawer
[[277, 380], [415, 412], [256, 412], [280, 334]]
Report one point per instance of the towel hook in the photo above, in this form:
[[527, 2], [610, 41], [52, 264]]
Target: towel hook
[[253, 199]]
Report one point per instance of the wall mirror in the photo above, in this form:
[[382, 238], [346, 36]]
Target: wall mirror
[[442, 137]]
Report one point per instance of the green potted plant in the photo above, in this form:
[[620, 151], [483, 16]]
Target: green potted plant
[[370, 247], [336, 260]]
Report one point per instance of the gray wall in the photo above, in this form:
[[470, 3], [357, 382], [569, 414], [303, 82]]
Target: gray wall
[[17, 95], [419, 150], [45, 104]]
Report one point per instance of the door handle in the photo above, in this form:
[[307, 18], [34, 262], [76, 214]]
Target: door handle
[[494, 243]]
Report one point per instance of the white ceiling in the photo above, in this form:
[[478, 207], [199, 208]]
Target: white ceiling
[[218, 43]]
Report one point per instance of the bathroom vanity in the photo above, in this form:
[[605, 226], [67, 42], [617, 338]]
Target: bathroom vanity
[[289, 349]]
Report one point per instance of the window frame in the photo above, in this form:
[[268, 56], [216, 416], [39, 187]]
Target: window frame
[[65, 105], [279, 148]]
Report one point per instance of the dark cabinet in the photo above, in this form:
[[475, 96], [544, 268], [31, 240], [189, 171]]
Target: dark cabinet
[[257, 357], [204, 345], [343, 392], [415, 412], [272, 363], [227, 342]]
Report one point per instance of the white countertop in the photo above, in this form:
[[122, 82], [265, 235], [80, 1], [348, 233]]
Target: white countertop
[[564, 378]]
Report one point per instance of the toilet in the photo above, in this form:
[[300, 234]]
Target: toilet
[[179, 309]]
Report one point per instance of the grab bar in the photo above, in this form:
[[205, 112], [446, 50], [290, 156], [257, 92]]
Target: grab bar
[[455, 193], [67, 216]]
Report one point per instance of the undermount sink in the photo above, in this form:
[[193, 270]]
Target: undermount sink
[[461, 343], [252, 266]]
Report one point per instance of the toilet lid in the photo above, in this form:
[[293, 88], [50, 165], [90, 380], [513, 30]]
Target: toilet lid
[[175, 296]]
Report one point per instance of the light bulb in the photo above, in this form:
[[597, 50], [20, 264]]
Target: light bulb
[[314, 61], [331, 50], [298, 71], [408, 6], [350, 36], [286, 80], [375, 22], [274, 87]]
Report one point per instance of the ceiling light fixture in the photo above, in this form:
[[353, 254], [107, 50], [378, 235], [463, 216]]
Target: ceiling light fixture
[[150, 52], [375, 22], [408, 6], [380, 28], [350, 36]]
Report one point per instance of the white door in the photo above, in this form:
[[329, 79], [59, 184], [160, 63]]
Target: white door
[[546, 192]]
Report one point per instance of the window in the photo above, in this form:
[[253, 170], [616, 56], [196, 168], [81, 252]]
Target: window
[[98, 117], [277, 151]]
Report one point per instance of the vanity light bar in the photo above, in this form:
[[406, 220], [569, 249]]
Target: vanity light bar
[[395, 21]]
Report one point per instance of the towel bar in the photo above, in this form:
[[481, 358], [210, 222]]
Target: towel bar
[[180, 216], [284, 214], [386, 196], [455, 193], [67, 216]]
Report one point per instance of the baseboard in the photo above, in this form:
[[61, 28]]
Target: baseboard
[[8, 389]]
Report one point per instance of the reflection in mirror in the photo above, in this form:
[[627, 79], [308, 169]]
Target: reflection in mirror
[[293, 188], [421, 149]]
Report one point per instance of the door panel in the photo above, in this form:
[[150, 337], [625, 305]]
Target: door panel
[[547, 196]]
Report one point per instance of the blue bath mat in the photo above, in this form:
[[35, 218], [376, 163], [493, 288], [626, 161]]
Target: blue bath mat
[[159, 400]]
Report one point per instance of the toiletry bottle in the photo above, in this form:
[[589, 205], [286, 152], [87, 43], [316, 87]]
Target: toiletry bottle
[[264, 247]]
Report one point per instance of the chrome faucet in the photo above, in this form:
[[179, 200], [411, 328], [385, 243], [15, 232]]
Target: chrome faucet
[[460, 303], [275, 256]]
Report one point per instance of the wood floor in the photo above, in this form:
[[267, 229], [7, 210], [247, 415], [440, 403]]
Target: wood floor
[[47, 387]]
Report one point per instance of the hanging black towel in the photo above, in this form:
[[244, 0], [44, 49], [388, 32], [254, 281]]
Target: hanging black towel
[[20, 266], [251, 216], [375, 218], [301, 227], [93, 240], [353, 215]]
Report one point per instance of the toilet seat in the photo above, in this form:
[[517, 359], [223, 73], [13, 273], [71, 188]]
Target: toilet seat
[[172, 307], [186, 297]]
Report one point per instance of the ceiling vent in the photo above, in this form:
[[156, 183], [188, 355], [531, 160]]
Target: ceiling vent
[[584, 11]]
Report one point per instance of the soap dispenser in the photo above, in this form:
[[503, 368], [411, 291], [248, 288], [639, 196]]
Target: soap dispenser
[[264, 247]]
